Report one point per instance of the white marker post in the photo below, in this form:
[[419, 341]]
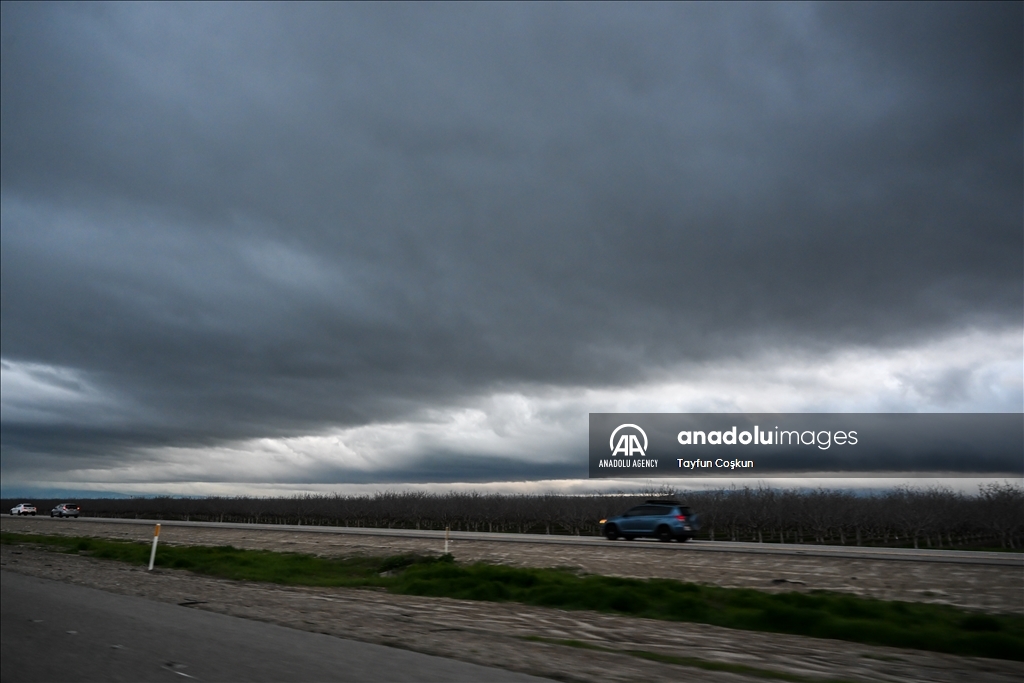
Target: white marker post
[[445, 540], [152, 555]]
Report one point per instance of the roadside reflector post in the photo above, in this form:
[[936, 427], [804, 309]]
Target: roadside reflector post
[[446, 529], [152, 554]]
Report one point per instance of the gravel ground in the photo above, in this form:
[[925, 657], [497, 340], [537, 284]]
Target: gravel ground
[[976, 587], [496, 634]]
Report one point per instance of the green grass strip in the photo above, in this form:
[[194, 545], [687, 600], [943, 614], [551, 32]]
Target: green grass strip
[[820, 614], [232, 563], [695, 662]]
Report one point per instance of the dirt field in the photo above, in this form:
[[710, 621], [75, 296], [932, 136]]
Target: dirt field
[[495, 634]]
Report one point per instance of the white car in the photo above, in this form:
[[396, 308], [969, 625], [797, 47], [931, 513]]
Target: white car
[[24, 509], [66, 510]]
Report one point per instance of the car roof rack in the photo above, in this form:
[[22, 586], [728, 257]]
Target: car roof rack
[[663, 501]]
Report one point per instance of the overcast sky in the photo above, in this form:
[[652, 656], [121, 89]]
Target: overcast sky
[[319, 245]]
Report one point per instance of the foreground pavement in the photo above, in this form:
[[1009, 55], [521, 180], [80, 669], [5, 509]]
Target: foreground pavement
[[54, 631], [516, 637]]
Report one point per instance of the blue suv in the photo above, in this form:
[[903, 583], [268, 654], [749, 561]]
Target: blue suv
[[664, 520]]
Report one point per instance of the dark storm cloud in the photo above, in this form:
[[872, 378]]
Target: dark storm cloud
[[245, 221]]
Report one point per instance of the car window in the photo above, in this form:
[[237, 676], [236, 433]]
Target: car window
[[647, 511]]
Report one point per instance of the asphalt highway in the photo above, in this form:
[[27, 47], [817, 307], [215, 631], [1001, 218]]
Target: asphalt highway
[[697, 546], [63, 632]]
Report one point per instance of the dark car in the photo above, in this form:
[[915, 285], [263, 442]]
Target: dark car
[[665, 520], [66, 510]]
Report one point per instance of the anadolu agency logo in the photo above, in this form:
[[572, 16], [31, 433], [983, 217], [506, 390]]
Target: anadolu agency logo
[[628, 444]]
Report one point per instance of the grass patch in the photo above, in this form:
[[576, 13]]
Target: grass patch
[[819, 614], [228, 562]]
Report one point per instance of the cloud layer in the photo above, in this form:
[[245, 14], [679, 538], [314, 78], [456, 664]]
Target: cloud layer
[[227, 224]]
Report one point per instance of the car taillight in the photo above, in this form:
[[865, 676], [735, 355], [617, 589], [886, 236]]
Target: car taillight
[[681, 518]]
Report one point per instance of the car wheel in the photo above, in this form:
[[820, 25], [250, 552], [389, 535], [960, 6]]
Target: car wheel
[[664, 534], [33, 514], [684, 539], [611, 532]]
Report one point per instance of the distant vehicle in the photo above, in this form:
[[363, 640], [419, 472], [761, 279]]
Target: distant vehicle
[[24, 509], [66, 510], [665, 520]]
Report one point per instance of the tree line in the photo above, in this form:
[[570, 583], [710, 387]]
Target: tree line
[[904, 516]]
